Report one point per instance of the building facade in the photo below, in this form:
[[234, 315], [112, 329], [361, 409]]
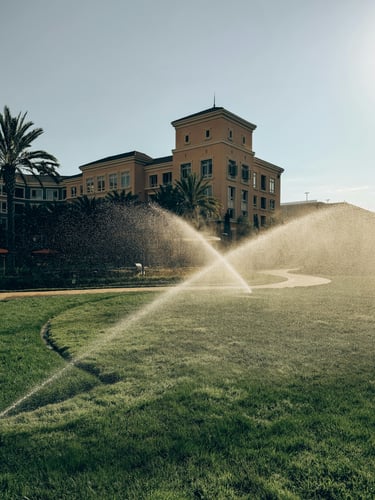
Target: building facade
[[215, 144]]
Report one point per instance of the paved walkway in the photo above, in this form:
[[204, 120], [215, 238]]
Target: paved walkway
[[291, 280], [77, 291]]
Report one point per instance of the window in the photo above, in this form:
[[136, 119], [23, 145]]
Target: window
[[187, 139], [208, 134], [100, 183], [272, 204], [263, 220], [36, 194], [52, 194], [255, 180], [232, 168], [81, 190], [185, 170], [112, 178], [19, 192], [206, 168], [167, 178], [272, 185], [2, 189], [263, 182], [153, 180], [255, 201], [255, 220], [208, 191], [263, 202], [244, 200], [230, 134], [245, 173], [125, 179], [90, 185], [73, 192], [231, 196], [243, 139], [3, 207], [231, 213]]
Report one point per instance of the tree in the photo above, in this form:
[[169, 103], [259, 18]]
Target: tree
[[30, 227], [194, 202], [243, 227], [86, 206], [16, 137], [122, 198], [168, 197]]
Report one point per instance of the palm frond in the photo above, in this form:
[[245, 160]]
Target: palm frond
[[194, 198]]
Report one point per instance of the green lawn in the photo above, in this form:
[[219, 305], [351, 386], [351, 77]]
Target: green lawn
[[197, 395]]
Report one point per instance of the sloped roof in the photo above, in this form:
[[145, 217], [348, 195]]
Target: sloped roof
[[265, 163], [163, 159], [204, 112], [218, 110], [118, 157]]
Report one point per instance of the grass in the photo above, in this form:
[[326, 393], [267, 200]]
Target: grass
[[206, 395]]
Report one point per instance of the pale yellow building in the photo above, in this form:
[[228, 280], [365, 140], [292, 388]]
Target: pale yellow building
[[215, 144]]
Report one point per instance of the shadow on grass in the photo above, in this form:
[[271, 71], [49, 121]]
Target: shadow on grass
[[298, 440]]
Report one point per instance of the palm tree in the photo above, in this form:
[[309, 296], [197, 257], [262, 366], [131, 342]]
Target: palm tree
[[122, 198], [86, 206], [194, 201], [167, 197], [16, 136]]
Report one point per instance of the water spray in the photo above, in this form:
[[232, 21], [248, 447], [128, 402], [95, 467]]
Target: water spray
[[317, 239]]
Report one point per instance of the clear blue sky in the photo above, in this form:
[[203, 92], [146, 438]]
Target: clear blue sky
[[106, 77]]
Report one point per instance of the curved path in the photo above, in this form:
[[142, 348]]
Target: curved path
[[291, 280]]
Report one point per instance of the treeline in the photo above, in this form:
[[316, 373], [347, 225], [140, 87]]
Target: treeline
[[92, 240]]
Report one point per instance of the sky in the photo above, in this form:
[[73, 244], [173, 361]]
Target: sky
[[103, 78]]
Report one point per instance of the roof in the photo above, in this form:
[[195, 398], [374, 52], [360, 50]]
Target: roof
[[75, 176], [204, 112], [163, 159], [297, 203], [30, 179], [265, 163], [217, 110], [118, 157]]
